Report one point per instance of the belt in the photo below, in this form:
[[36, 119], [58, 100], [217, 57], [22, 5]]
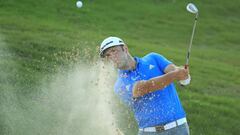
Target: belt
[[164, 127]]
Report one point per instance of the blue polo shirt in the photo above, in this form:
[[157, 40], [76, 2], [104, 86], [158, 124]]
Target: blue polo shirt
[[156, 108]]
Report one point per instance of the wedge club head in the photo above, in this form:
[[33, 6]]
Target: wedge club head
[[192, 8]]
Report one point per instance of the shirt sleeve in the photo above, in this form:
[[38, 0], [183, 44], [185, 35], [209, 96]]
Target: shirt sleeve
[[161, 61]]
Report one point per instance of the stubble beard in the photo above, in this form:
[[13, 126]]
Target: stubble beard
[[123, 63]]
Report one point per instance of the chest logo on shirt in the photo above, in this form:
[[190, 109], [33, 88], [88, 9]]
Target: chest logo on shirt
[[151, 67]]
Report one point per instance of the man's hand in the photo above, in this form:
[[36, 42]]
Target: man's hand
[[187, 80], [181, 73], [173, 67]]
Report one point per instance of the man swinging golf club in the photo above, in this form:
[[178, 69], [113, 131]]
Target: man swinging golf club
[[146, 86]]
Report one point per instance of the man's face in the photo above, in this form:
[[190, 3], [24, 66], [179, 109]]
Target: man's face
[[117, 55]]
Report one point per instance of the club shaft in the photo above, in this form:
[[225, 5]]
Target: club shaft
[[191, 40]]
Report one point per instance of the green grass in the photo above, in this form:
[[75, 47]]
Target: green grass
[[34, 33]]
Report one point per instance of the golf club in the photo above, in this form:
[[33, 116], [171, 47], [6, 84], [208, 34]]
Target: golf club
[[192, 9]]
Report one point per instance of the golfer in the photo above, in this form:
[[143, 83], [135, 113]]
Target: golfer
[[146, 86]]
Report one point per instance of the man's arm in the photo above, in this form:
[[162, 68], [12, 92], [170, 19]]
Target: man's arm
[[147, 86], [170, 67]]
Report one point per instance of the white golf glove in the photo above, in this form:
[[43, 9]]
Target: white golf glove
[[187, 81]]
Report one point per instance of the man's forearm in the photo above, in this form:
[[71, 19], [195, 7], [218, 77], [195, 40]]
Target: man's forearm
[[144, 87], [170, 68]]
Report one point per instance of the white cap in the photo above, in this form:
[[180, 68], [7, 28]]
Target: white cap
[[110, 42]]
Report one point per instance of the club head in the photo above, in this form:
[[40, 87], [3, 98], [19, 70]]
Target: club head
[[192, 8]]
